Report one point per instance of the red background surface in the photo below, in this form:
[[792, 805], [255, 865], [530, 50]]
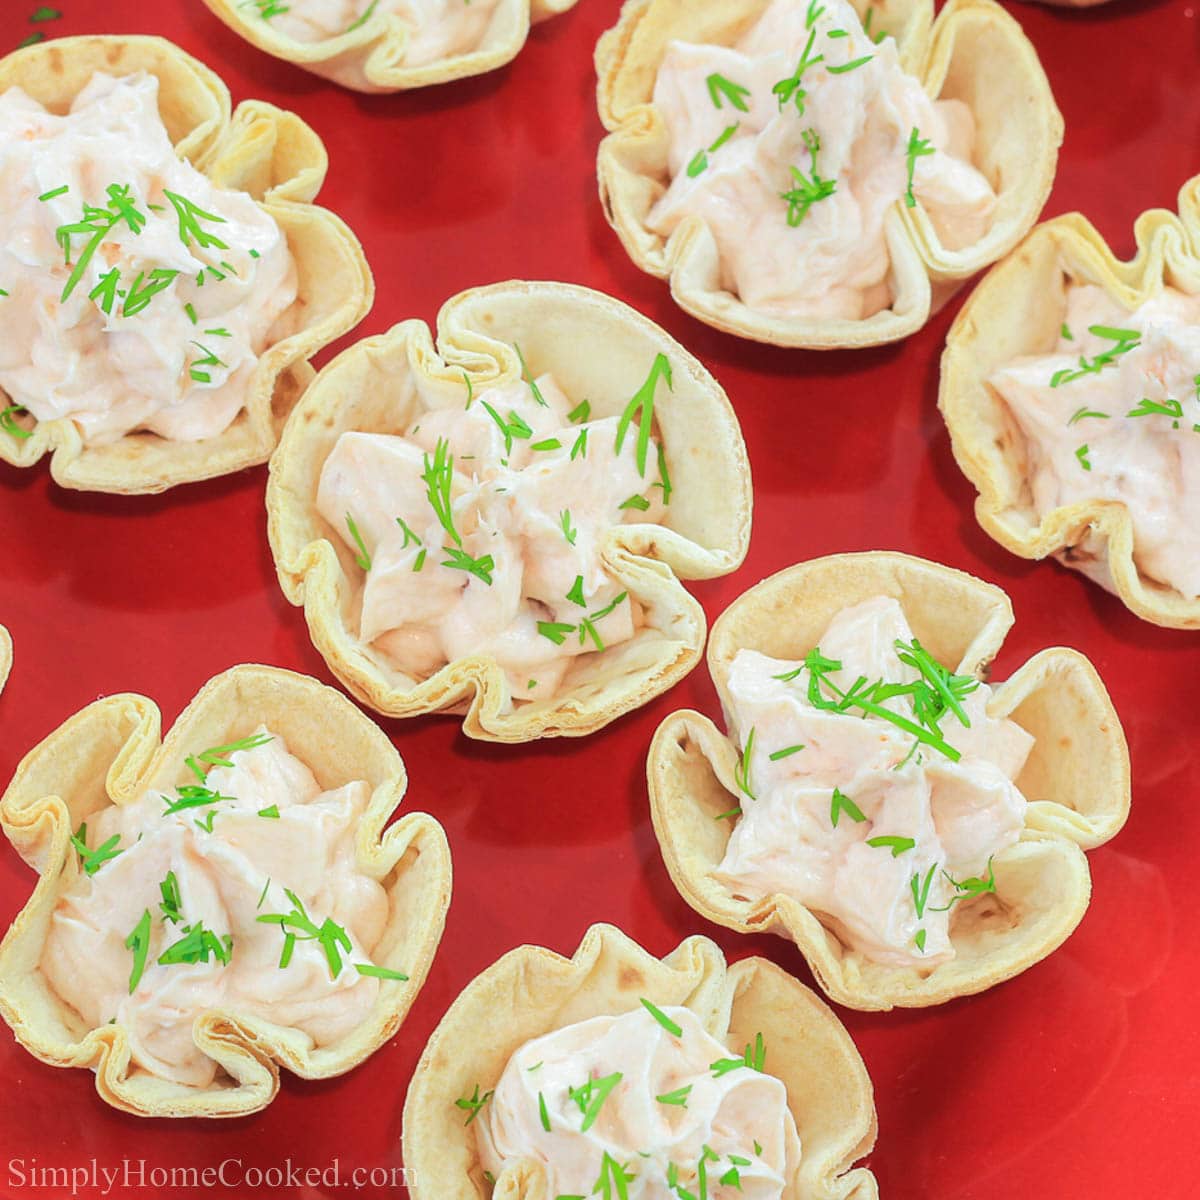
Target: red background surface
[[1081, 1077]]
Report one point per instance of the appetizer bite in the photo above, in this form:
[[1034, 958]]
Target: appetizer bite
[[1071, 389], [164, 275], [5, 656], [222, 904], [821, 174], [499, 528], [917, 832], [616, 1074], [389, 45]]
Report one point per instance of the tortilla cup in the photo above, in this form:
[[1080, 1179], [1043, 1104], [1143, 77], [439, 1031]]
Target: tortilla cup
[[110, 753], [532, 991], [257, 148], [1077, 777], [369, 57], [595, 347], [974, 52], [1018, 310]]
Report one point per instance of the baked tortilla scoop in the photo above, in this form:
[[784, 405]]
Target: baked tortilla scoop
[[531, 992], [5, 656], [109, 756], [508, 335], [1076, 779], [371, 53], [974, 52], [1018, 311], [257, 149]]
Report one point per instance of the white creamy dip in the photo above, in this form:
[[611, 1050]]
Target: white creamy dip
[[185, 286], [438, 29], [809, 816], [225, 879], [847, 130], [1112, 417], [677, 1107], [531, 504]]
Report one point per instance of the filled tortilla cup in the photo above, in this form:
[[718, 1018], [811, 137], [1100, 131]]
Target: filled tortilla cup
[[259, 149], [1019, 310], [1076, 778], [532, 991], [974, 52], [596, 348], [369, 55], [109, 754]]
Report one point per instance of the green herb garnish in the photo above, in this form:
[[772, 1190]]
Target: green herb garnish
[[218, 756], [734, 93], [809, 189], [789, 90], [591, 1097], [473, 1105], [171, 903], [139, 942], [841, 803], [92, 860], [196, 945], [918, 147], [529, 379], [741, 772], [897, 845], [672, 1027], [297, 925], [569, 531], [1123, 341], [189, 216], [699, 162], [753, 1058], [375, 972], [363, 557], [642, 407], [9, 425]]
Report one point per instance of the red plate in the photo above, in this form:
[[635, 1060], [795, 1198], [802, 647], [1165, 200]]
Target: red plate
[[1076, 1079]]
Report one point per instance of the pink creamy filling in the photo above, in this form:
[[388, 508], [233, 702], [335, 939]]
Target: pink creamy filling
[[179, 366], [957, 815], [1128, 432], [835, 262], [226, 879], [438, 29], [540, 515], [741, 1116]]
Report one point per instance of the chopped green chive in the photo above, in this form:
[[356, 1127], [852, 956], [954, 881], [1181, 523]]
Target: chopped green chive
[[375, 972], [918, 147], [786, 752], [741, 772], [92, 860], [672, 1027], [363, 558], [841, 803], [897, 845], [171, 904], [719, 87], [139, 942], [809, 189], [642, 407], [473, 1104]]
